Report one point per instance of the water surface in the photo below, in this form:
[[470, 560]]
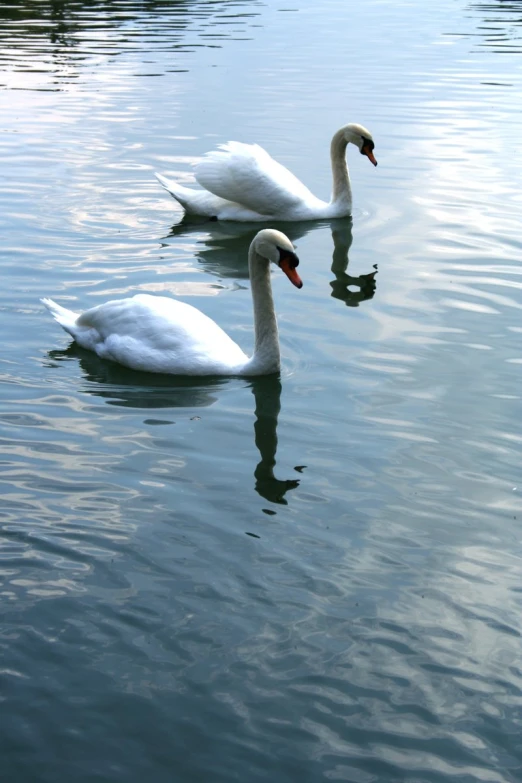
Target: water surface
[[303, 578]]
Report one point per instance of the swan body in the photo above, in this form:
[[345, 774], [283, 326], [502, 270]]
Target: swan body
[[163, 335], [243, 182]]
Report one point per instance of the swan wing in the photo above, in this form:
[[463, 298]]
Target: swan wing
[[158, 334], [249, 176]]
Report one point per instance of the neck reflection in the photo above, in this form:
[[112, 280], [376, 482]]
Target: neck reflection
[[223, 250], [341, 285], [126, 388], [267, 394]]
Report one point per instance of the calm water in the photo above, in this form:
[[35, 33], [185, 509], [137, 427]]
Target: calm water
[[312, 577]]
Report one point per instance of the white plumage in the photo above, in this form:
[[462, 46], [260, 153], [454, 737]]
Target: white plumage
[[163, 335], [243, 182]]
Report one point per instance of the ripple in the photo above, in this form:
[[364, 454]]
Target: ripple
[[367, 627]]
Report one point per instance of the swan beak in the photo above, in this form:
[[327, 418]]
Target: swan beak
[[291, 272], [369, 154]]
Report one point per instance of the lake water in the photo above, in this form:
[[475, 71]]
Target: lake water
[[296, 579]]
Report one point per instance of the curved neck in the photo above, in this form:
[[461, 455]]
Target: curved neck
[[342, 191], [266, 357]]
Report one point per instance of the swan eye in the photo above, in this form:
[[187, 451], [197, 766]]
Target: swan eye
[[290, 258]]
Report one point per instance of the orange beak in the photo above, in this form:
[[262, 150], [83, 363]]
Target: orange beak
[[369, 154], [291, 273]]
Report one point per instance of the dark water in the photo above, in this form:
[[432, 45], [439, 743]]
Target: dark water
[[311, 577]]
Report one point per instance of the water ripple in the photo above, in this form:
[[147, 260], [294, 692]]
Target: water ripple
[[313, 577]]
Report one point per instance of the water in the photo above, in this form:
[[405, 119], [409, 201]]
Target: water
[[311, 577]]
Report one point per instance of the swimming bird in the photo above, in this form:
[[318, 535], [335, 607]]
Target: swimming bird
[[243, 182], [163, 335]]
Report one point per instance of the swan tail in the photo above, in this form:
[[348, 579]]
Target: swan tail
[[173, 188], [194, 202], [66, 318]]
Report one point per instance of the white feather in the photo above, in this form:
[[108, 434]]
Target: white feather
[[246, 174], [243, 182], [163, 335]]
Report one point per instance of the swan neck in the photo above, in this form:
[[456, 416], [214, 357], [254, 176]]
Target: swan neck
[[266, 357], [342, 191]]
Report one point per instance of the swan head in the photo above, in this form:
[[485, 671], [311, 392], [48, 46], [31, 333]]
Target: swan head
[[277, 248], [362, 138]]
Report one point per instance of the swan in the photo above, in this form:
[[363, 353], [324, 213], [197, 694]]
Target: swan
[[243, 182], [162, 335]]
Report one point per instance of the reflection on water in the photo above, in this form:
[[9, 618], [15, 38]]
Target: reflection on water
[[344, 283], [223, 251], [500, 26], [267, 394], [131, 389], [368, 628], [58, 39], [222, 247]]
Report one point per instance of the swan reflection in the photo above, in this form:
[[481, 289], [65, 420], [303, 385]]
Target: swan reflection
[[132, 389], [342, 239], [222, 251], [267, 394], [126, 388]]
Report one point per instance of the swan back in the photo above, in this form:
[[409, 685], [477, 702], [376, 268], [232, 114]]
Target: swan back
[[248, 175]]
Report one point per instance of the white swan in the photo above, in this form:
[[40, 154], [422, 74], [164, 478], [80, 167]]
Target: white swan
[[162, 335], [242, 182]]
